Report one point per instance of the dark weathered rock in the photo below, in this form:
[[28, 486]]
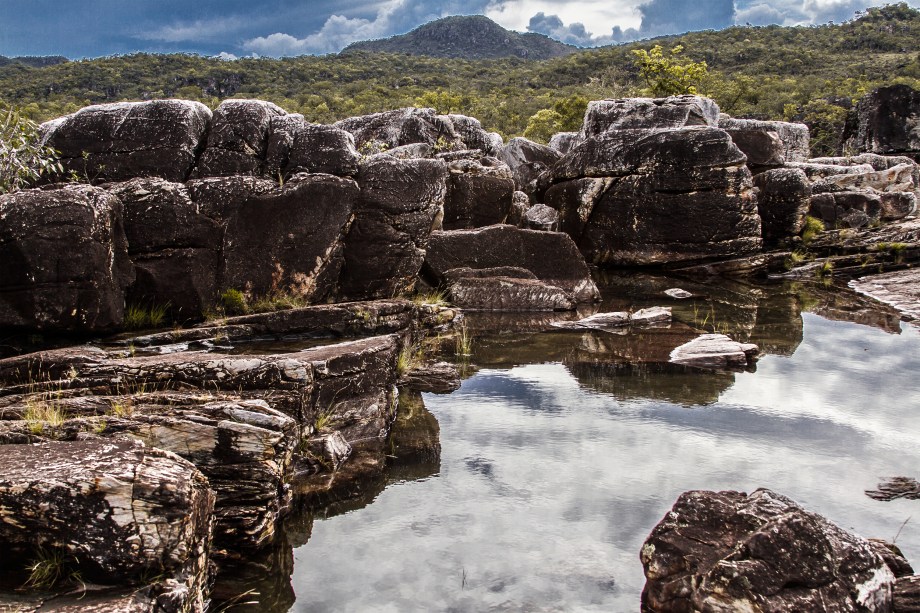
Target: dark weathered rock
[[679, 154], [474, 137], [520, 203], [648, 113], [563, 142], [174, 248], [794, 136], [886, 122], [221, 197], [509, 294], [403, 127], [551, 256], [295, 145], [900, 289], [907, 595], [527, 160], [124, 140], [513, 272], [291, 239], [762, 147], [124, 511], [876, 161], [850, 209], [782, 202], [897, 205], [575, 202], [479, 193], [714, 351], [237, 139], [726, 551], [893, 557], [401, 202], [541, 217], [64, 259]]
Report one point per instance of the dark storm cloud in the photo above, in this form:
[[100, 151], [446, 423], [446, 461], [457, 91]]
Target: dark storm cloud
[[675, 16], [552, 26]]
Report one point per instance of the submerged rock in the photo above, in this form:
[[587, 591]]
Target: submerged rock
[[900, 289], [896, 487], [728, 551], [716, 351]]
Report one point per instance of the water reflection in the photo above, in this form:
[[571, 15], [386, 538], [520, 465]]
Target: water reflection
[[534, 485]]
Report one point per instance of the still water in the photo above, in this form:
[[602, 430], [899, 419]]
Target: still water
[[563, 449]]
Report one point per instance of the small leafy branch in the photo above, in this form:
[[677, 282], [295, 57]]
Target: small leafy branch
[[669, 75], [23, 157]]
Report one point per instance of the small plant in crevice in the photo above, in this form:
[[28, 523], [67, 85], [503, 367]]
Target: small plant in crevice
[[813, 227], [41, 412], [434, 298], [232, 302], [410, 358], [796, 259], [122, 408], [139, 317], [826, 270], [50, 567]]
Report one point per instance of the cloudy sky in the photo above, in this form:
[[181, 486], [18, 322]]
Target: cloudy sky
[[89, 28]]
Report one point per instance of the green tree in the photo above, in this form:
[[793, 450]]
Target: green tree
[[23, 157], [542, 125], [669, 75], [444, 101]]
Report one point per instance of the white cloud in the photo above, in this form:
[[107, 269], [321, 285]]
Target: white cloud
[[227, 57], [599, 16], [202, 29], [336, 33]]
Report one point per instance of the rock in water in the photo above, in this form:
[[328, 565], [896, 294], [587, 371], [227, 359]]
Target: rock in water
[[124, 140], [551, 256], [639, 197], [63, 259], [716, 351], [727, 551]]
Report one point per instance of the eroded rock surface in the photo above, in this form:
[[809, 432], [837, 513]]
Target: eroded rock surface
[[64, 257], [728, 551]]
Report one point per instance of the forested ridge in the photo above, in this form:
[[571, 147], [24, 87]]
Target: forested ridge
[[812, 74]]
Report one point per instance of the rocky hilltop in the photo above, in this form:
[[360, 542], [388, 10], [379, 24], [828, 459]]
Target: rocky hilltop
[[471, 37]]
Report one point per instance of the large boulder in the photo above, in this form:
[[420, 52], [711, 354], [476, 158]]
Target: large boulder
[[762, 147], [648, 113], [728, 551], [887, 121], [290, 240], [175, 249], [221, 197], [123, 140], [125, 512], [238, 137], [65, 259], [480, 191], [474, 136], [295, 145], [552, 257], [794, 136], [401, 202], [403, 127], [527, 160], [637, 197], [782, 201]]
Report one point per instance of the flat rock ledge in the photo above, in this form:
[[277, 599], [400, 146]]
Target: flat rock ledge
[[730, 551], [900, 289]]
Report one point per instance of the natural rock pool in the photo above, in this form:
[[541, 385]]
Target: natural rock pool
[[563, 449]]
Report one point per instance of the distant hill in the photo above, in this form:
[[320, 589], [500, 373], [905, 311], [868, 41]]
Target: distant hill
[[35, 61], [473, 37]]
